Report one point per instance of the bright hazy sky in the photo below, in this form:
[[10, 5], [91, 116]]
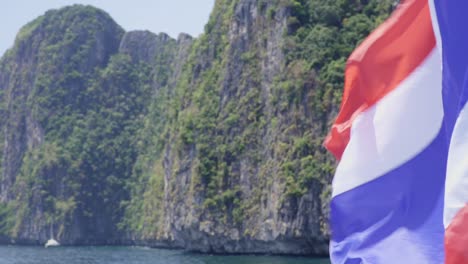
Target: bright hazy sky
[[169, 16]]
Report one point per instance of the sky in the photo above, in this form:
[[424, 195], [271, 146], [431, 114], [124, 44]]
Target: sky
[[169, 16]]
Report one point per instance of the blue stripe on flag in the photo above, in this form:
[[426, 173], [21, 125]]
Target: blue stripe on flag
[[395, 218], [453, 20]]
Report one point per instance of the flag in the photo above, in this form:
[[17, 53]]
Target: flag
[[401, 186]]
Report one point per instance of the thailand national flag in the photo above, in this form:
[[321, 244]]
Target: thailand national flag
[[401, 187]]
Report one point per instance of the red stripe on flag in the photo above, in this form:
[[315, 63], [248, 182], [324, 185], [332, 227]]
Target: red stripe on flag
[[456, 239], [380, 63]]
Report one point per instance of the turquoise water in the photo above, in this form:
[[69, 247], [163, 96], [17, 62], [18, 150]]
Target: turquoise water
[[128, 255]]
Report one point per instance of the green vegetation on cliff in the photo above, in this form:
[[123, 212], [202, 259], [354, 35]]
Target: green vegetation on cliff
[[78, 108], [320, 37]]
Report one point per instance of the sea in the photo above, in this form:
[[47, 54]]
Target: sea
[[133, 255]]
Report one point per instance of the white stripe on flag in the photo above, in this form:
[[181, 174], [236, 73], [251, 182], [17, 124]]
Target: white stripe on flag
[[396, 129], [456, 184]]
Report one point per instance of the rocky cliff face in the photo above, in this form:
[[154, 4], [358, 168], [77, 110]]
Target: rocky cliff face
[[219, 183], [43, 78], [75, 89], [210, 144]]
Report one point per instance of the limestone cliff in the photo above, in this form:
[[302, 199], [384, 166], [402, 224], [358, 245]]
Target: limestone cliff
[[210, 144]]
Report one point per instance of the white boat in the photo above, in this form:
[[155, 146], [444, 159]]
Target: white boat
[[52, 243]]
